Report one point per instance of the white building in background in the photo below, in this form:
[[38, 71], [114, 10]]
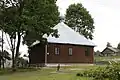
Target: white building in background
[[6, 46]]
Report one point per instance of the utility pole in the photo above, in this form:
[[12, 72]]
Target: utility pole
[[46, 55]]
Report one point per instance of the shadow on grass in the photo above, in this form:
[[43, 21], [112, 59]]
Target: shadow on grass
[[8, 71]]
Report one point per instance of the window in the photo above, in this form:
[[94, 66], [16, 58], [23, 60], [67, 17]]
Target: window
[[87, 52], [70, 51], [57, 50]]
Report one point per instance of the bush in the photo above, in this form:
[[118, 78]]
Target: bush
[[111, 72]]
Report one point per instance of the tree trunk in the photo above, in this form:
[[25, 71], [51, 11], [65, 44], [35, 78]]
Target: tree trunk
[[0, 60], [17, 50], [2, 52], [12, 49], [13, 55], [13, 60]]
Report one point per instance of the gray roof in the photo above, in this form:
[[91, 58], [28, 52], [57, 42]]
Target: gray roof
[[113, 49], [67, 36]]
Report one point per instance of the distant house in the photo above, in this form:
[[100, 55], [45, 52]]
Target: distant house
[[110, 51], [70, 47]]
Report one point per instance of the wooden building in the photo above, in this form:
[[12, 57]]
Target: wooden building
[[70, 47], [110, 51]]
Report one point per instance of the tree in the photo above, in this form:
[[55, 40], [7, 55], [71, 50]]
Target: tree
[[4, 56], [30, 19], [43, 16], [79, 19], [118, 47], [108, 45], [3, 53]]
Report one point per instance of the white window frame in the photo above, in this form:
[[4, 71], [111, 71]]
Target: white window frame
[[70, 51], [57, 50]]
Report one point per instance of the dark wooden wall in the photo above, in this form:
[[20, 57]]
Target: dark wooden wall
[[78, 55], [37, 54]]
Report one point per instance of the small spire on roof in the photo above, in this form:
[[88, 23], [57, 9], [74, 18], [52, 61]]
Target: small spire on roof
[[62, 18]]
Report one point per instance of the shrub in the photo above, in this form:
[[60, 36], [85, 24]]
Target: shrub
[[110, 72]]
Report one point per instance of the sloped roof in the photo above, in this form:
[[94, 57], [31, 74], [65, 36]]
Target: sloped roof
[[113, 49], [67, 36]]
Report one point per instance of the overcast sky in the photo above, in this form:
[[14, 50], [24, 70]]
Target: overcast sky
[[106, 14]]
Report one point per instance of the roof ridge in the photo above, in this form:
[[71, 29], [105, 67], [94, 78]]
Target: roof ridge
[[68, 35]]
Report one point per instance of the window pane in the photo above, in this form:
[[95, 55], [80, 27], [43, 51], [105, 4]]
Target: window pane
[[87, 52], [57, 50], [70, 51]]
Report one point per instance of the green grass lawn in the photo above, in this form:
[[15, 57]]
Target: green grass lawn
[[106, 58], [66, 73], [48, 74]]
